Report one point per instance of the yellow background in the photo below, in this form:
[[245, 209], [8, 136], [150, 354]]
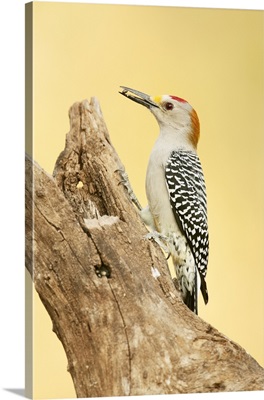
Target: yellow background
[[212, 58]]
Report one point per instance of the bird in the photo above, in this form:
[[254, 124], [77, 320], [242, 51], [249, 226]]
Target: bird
[[176, 191]]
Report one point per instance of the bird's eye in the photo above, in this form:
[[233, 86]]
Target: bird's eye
[[168, 106]]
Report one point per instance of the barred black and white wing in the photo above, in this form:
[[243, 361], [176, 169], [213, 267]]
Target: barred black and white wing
[[186, 186]]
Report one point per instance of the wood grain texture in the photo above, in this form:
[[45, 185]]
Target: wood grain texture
[[124, 330]]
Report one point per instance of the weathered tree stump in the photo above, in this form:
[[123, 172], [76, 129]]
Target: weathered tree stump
[[107, 289]]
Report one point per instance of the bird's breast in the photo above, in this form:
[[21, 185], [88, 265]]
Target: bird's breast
[[157, 193]]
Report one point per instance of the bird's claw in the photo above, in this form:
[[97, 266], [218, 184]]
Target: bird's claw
[[125, 182], [160, 239]]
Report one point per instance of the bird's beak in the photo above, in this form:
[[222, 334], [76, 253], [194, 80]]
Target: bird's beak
[[139, 97]]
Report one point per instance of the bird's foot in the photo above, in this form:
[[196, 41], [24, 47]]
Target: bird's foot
[[125, 182], [160, 239]]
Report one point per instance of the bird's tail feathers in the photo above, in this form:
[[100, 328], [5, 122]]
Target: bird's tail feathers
[[191, 301], [191, 298], [204, 290]]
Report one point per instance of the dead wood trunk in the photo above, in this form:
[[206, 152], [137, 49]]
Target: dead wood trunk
[[126, 332]]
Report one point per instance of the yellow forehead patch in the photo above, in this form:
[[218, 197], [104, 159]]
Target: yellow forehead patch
[[157, 99]]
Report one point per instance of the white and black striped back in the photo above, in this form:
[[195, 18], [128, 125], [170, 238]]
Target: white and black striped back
[[186, 186]]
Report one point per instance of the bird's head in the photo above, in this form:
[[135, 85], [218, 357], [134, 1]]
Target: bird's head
[[173, 113]]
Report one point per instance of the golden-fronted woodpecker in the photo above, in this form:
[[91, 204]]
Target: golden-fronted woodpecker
[[176, 193]]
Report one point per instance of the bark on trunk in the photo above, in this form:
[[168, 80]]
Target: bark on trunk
[[108, 290]]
